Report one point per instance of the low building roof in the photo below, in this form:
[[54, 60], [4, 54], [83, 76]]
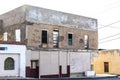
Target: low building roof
[[12, 42]]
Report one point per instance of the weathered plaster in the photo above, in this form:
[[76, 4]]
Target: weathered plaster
[[41, 15]]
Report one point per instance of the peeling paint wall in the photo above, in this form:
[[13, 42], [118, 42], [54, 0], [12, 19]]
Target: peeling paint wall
[[46, 16]]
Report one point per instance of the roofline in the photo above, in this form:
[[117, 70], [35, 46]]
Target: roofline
[[12, 42]]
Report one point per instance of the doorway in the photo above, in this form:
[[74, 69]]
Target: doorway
[[106, 67], [35, 68]]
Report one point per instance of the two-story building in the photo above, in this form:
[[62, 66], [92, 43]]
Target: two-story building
[[58, 43]]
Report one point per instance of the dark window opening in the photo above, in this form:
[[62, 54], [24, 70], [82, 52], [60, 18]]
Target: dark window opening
[[106, 67], [9, 64], [44, 37], [70, 39]]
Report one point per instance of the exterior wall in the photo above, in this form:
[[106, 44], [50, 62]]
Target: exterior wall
[[1, 37], [35, 30], [57, 63], [14, 72], [18, 53], [46, 16], [50, 63], [16, 16], [110, 56], [11, 32], [80, 62]]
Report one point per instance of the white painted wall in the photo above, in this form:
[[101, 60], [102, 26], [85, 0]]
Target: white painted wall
[[51, 60], [49, 63], [80, 62], [63, 61], [16, 50], [14, 72]]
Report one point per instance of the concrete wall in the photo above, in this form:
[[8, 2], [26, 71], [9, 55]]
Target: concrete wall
[[80, 62], [11, 32], [110, 56], [13, 17], [46, 16], [50, 61], [41, 15], [18, 53]]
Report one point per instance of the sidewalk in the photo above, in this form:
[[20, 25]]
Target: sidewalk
[[105, 75]]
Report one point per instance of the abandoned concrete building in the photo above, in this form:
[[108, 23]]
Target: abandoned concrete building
[[58, 44]]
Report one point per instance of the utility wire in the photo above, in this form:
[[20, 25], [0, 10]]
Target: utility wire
[[115, 27], [110, 36], [109, 24], [109, 40]]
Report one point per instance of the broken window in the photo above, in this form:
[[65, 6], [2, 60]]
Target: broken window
[[55, 39], [70, 39], [44, 37], [86, 42]]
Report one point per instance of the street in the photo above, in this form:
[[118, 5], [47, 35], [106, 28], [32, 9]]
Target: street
[[92, 78]]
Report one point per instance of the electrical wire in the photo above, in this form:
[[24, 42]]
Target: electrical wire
[[109, 24], [109, 40], [110, 36], [115, 27]]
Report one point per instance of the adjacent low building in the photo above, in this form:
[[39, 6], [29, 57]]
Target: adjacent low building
[[107, 62], [58, 43], [12, 59]]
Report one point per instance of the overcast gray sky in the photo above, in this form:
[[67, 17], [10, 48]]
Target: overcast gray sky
[[106, 11]]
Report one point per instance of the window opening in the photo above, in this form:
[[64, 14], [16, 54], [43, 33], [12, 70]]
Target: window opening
[[9, 64]]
